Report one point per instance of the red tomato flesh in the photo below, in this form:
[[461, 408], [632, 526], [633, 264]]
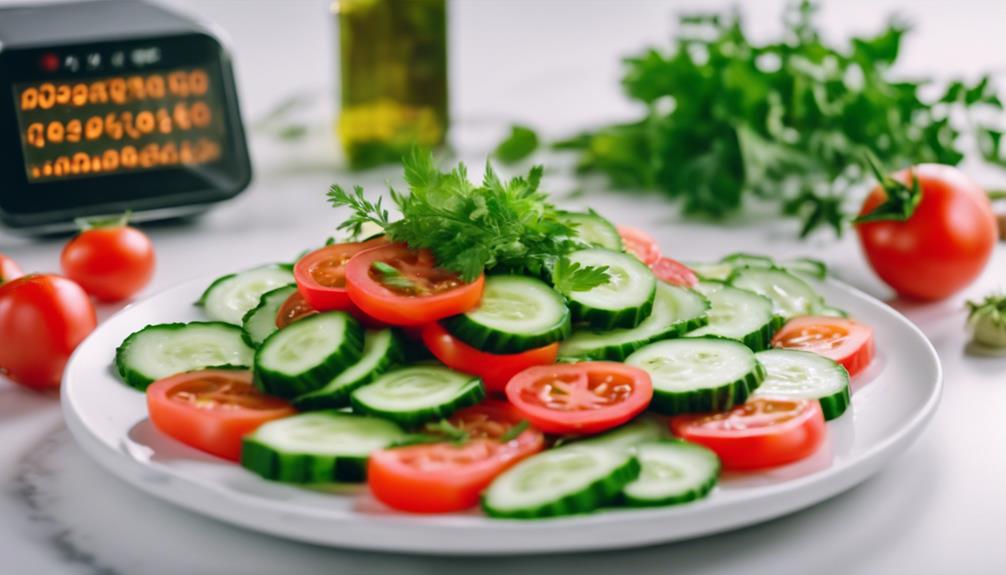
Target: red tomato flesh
[[581, 398], [112, 263], [674, 272], [435, 293], [321, 274], [211, 410], [764, 432], [444, 477], [295, 307], [494, 369], [842, 340], [640, 244]]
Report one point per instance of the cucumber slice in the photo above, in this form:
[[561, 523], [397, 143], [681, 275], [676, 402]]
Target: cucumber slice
[[317, 447], [790, 295], [414, 395], [745, 260], [571, 479], [594, 230], [672, 472], [807, 266], [381, 350], [676, 310], [739, 314], [230, 297], [260, 322], [827, 310], [799, 374], [158, 351], [698, 375], [624, 301], [712, 271], [516, 313], [307, 354], [625, 438]]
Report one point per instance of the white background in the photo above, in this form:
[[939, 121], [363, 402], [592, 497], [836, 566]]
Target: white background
[[554, 64]]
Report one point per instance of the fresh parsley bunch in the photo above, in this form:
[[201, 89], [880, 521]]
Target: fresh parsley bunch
[[789, 121], [506, 226]]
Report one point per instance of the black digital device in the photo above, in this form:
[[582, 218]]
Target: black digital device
[[114, 105]]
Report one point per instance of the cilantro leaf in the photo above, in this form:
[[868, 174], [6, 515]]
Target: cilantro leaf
[[521, 143], [569, 276], [363, 210], [515, 431], [392, 278], [447, 431]]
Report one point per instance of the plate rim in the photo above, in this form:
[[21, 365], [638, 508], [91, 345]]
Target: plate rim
[[801, 492]]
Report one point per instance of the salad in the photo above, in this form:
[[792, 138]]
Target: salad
[[489, 349]]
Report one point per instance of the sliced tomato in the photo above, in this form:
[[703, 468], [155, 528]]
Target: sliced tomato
[[845, 341], [9, 270], [674, 272], [295, 307], [321, 274], [212, 409], [445, 477], [764, 432], [422, 292], [640, 244], [494, 369], [580, 398]]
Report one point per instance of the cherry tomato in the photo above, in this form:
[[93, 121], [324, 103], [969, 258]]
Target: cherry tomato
[[321, 274], [445, 477], [111, 263], [494, 369], [845, 341], [295, 307], [764, 432], [674, 272], [212, 409], [432, 293], [943, 246], [582, 398], [42, 320], [9, 271], [640, 244]]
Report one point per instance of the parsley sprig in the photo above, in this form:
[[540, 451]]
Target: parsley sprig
[[499, 225]]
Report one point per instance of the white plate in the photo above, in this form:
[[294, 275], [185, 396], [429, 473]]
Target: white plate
[[892, 401]]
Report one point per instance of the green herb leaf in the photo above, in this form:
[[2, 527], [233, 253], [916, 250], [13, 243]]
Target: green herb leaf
[[362, 209], [901, 200], [447, 431], [569, 276], [392, 278], [515, 431], [521, 143]]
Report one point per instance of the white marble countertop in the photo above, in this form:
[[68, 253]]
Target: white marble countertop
[[938, 508]]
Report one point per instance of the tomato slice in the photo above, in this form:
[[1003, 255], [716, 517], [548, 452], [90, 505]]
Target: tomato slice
[[764, 432], [321, 274], [212, 409], [494, 369], [445, 477], [422, 292], [674, 272], [640, 244], [295, 307], [581, 398], [9, 270], [845, 341]]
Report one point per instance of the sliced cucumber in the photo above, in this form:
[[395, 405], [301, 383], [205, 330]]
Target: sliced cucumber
[[739, 314], [676, 310], [158, 351], [672, 472], [317, 447], [712, 271], [804, 375], [625, 300], [594, 230], [307, 354], [625, 438], [381, 351], [260, 322], [516, 313], [807, 266], [414, 395], [790, 295], [745, 260], [571, 479], [700, 374], [230, 297], [827, 310]]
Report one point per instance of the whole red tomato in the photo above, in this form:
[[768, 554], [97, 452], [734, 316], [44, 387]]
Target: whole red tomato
[[42, 319], [110, 263], [945, 243], [9, 270]]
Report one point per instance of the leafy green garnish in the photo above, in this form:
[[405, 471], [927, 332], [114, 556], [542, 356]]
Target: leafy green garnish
[[569, 276], [496, 226], [521, 143], [901, 200], [787, 121], [515, 431], [392, 278]]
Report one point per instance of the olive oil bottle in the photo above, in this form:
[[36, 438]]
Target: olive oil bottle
[[393, 56]]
